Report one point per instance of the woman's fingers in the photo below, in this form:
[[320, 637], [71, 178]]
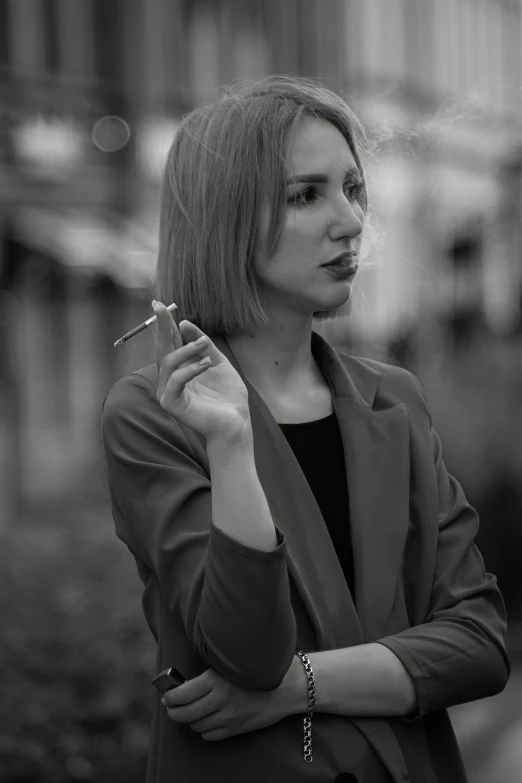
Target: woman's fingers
[[173, 350], [179, 367], [168, 342], [203, 705], [196, 710], [169, 337], [189, 691], [192, 332]]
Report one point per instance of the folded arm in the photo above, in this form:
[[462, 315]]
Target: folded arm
[[456, 654], [367, 680], [234, 599]]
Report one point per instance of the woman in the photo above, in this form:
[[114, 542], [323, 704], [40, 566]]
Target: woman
[[287, 503]]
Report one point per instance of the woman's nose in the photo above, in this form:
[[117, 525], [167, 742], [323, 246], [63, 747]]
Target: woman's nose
[[348, 221]]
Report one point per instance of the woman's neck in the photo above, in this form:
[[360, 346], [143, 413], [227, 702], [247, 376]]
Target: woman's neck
[[278, 366]]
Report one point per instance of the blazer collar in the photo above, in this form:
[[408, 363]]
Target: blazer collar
[[359, 384], [376, 449]]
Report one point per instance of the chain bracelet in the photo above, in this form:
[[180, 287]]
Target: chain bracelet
[[307, 721]]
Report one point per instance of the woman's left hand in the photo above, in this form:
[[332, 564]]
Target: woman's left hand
[[217, 709]]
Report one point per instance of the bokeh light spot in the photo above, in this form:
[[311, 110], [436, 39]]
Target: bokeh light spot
[[111, 133]]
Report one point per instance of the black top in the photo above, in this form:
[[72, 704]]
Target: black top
[[318, 448]]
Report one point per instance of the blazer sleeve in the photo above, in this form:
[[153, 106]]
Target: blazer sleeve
[[458, 654], [234, 600]]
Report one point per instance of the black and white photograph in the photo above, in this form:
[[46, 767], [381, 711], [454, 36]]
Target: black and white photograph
[[261, 391]]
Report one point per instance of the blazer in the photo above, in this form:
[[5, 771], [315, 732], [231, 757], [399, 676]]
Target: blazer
[[211, 602]]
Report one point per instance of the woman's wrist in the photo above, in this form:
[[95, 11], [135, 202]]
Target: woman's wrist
[[294, 688], [238, 435]]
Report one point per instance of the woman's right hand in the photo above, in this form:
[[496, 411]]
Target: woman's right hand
[[212, 399]]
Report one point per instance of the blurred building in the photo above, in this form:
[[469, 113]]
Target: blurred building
[[91, 92], [439, 85]]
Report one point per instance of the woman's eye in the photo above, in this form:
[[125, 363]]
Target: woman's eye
[[355, 189], [357, 192], [302, 197]]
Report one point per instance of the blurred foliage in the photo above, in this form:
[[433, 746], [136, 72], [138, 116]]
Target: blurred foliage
[[76, 657]]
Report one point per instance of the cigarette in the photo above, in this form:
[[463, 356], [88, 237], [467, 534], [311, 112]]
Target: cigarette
[[142, 326]]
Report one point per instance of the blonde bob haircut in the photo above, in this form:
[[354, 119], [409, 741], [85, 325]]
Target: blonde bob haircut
[[228, 157]]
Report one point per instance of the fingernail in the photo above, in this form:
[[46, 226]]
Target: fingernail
[[164, 702]]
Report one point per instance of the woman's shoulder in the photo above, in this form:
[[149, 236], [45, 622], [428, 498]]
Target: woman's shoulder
[[395, 383], [389, 373], [132, 418], [130, 404], [131, 389]]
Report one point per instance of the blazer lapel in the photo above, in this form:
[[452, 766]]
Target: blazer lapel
[[375, 445], [376, 449], [377, 464], [311, 554]]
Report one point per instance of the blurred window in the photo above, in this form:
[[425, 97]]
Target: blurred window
[[284, 36], [75, 38], [331, 41], [307, 50], [204, 52], [50, 32], [107, 26], [5, 53], [28, 51]]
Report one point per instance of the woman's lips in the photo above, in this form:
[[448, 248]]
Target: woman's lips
[[345, 268]]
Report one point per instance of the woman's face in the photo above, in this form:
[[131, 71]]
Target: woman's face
[[323, 219]]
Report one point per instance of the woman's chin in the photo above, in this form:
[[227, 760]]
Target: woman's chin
[[341, 311]]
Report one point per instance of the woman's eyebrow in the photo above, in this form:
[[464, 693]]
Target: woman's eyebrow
[[351, 172]]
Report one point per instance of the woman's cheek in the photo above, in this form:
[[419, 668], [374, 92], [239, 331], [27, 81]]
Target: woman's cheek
[[305, 222]]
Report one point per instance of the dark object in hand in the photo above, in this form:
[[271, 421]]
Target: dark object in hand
[[167, 679]]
